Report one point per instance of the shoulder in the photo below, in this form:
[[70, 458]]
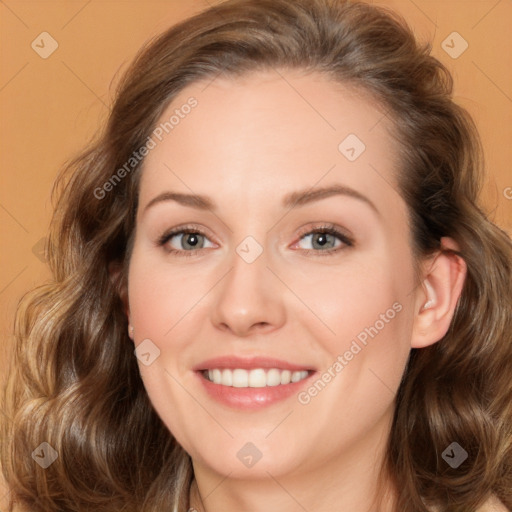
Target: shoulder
[[493, 504]]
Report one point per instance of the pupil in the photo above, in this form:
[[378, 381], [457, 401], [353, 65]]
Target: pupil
[[192, 239], [322, 239]]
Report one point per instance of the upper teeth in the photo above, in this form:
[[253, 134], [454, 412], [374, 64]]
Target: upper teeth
[[257, 378]]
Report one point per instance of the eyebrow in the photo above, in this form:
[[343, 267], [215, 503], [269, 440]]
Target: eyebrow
[[294, 199]]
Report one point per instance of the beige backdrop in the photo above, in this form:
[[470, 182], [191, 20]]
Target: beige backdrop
[[52, 103]]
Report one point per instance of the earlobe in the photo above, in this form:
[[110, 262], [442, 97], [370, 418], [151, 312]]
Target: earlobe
[[437, 297]]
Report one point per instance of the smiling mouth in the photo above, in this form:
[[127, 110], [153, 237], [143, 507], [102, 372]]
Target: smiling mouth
[[256, 378]]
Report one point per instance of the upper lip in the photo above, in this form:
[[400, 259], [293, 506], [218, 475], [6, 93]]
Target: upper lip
[[249, 363]]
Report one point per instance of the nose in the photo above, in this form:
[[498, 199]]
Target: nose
[[249, 300]]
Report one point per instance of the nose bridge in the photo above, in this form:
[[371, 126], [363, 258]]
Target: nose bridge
[[249, 276], [249, 297]]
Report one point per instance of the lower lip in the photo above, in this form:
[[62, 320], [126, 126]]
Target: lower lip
[[252, 398]]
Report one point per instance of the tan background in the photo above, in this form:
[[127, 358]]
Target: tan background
[[51, 107]]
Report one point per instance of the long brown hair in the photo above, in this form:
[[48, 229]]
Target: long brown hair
[[74, 381]]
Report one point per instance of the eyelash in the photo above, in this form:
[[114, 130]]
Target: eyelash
[[329, 229]]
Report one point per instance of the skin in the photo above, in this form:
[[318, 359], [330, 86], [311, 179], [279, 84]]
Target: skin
[[248, 143]]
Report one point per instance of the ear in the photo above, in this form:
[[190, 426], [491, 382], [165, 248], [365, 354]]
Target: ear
[[437, 297], [115, 273]]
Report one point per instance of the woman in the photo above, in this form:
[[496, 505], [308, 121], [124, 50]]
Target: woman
[[273, 286]]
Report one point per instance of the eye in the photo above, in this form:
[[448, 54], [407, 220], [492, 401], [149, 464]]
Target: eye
[[325, 239], [184, 241]]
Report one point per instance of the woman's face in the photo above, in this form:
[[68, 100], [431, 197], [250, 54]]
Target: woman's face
[[256, 172]]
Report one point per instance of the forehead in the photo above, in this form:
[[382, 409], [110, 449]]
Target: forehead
[[269, 131]]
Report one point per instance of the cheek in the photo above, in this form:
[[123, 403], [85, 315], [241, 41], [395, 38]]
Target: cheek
[[161, 308], [362, 321], [159, 295], [359, 298]]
